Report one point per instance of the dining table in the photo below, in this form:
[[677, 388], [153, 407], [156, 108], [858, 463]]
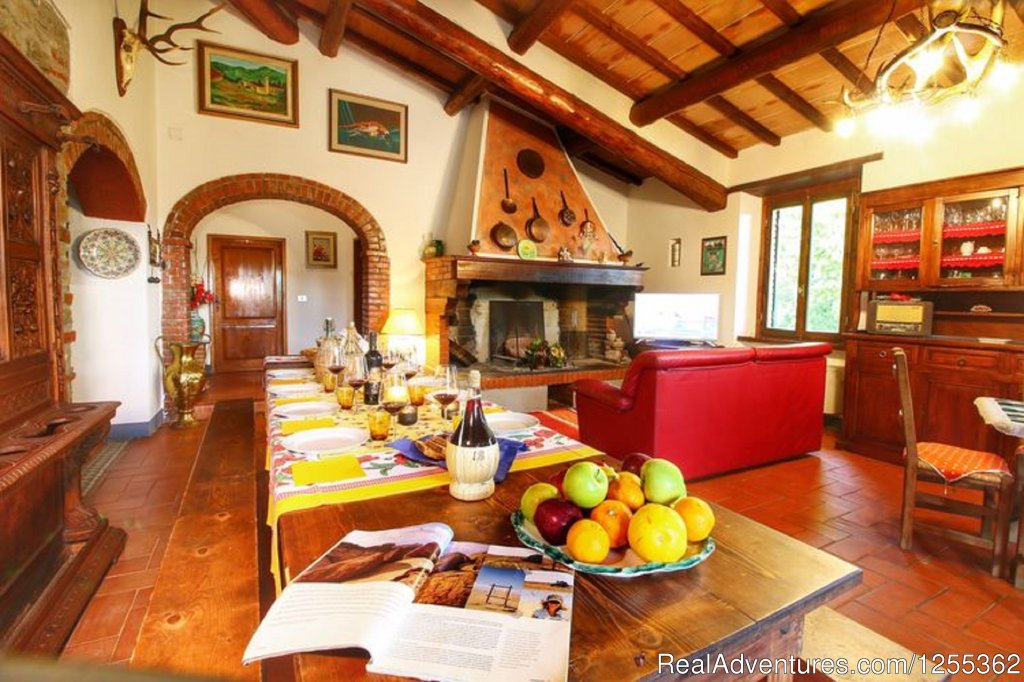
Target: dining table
[[744, 604]]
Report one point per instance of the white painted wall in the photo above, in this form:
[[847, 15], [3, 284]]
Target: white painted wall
[[328, 292], [113, 356]]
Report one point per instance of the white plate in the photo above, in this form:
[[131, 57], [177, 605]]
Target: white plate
[[296, 373], [511, 422], [296, 410], [295, 389], [323, 441]]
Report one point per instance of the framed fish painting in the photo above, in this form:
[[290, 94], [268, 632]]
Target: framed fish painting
[[368, 126]]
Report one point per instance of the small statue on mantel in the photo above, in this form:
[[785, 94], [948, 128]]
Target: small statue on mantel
[[564, 255], [474, 246]]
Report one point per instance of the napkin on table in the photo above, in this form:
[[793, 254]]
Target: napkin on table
[[507, 452]]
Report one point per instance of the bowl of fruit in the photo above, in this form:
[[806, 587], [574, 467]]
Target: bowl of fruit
[[622, 523]]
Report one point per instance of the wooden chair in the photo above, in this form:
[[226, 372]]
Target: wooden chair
[[956, 467]]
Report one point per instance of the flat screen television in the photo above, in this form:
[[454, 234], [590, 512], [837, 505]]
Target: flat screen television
[[676, 317]]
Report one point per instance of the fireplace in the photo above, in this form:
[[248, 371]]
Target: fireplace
[[484, 312]]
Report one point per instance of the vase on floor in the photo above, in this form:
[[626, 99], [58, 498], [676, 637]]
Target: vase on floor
[[184, 377], [196, 327]]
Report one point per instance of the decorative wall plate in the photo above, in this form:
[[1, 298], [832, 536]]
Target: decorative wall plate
[[109, 253]]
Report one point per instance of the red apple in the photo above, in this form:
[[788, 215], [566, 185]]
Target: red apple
[[553, 519], [557, 481], [634, 461]]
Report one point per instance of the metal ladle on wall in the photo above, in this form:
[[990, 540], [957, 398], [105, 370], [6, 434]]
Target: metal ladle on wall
[[507, 205]]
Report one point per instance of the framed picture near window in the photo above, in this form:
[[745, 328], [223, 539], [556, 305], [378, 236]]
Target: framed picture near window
[[321, 250], [248, 85], [712, 256], [368, 126]]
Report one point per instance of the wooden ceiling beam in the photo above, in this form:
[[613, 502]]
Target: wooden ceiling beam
[[301, 10], [725, 47], [629, 40], [743, 119], [697, 26], [783, 10], [833, 24], [850, 71], [794, 101], [911, 27], [528, 30], [333, 30], [551, 100], [1018, 7], [270, 19], [719, 145], [465, 94]]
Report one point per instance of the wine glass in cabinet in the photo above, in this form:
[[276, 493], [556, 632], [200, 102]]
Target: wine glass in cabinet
[[974, 239], [893, 248]]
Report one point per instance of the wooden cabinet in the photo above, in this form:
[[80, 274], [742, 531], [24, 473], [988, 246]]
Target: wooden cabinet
[[946, 376], [963, 233]]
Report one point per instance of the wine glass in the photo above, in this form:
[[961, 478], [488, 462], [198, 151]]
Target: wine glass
[[409, 365], [448, 393], [356, 371], [394, 392], [335, 357], [391, 358]]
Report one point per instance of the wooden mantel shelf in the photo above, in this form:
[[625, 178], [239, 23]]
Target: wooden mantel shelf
[[474, 268]]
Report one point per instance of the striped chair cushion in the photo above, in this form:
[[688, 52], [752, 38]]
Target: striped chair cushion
[[954, 463]]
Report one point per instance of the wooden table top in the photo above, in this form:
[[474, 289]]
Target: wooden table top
[[756, 580]]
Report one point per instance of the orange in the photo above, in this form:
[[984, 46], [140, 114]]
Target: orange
[[626, 491], [630, 476], [698, 517], [588, 542], [614, 517], [658, 534]]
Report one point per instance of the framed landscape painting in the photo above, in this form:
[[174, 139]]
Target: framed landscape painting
[[712, 256], [247, 85], [368, 126], [321, 249]]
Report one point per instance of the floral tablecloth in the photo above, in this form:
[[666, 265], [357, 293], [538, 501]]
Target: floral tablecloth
[[385, 470]]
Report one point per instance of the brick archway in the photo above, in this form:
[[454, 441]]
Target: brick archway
[[100, 164], [375, 280]]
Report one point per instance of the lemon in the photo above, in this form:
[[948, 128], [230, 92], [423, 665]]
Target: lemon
[[658, 534]]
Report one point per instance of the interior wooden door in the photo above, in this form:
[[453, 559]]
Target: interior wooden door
[[248, 320]]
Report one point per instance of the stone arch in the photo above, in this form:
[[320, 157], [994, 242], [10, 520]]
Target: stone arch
[[373, 285], [100, 164]]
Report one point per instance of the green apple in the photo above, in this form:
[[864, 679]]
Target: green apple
[[533, 496], [585, 485], [662, 481]]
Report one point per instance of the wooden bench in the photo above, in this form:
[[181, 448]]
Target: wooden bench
[[831, 635]]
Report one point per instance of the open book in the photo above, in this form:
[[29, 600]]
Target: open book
[[425, 606]]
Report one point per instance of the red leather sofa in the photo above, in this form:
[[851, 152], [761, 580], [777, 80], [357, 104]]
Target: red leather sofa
[[711, 410]]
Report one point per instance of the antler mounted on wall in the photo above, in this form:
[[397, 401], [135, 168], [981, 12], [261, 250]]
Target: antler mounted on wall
[[128, 42]]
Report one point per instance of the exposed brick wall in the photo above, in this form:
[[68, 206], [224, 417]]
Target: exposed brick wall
[[215, 194]]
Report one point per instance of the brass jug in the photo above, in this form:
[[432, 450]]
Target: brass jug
[[184, 377]]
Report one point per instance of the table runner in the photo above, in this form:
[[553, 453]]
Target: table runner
[[387, 472]]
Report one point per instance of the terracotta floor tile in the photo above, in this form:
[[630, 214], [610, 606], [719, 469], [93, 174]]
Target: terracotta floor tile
[[103, 617], [954, 607], [852, 548], [129, 582], [96, 651], [132, 565], [129, 634], [893, 599]]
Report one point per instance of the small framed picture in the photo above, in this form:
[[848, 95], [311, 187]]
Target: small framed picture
[[321, 250], [368, 126], [712, 256], [675, 252], [248, 85]]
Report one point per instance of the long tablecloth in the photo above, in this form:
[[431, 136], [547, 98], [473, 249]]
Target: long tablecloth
[[385, 471]]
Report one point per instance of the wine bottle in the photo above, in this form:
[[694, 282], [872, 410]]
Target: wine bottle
[[472, 451], [373, 356], [371, 391]]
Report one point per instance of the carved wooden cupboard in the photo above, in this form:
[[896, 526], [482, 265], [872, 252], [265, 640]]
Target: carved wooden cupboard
[[53, 548], [957, 243]]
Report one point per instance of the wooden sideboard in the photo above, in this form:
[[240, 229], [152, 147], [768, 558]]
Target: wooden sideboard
[[54, 550], [946, 374]]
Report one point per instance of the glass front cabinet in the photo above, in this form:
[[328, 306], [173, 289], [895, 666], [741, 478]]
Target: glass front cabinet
[[962, 241]]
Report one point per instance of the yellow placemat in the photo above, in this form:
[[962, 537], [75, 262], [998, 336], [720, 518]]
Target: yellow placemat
[[290, 426], [330, 470], [286, 382], [297, 399]]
